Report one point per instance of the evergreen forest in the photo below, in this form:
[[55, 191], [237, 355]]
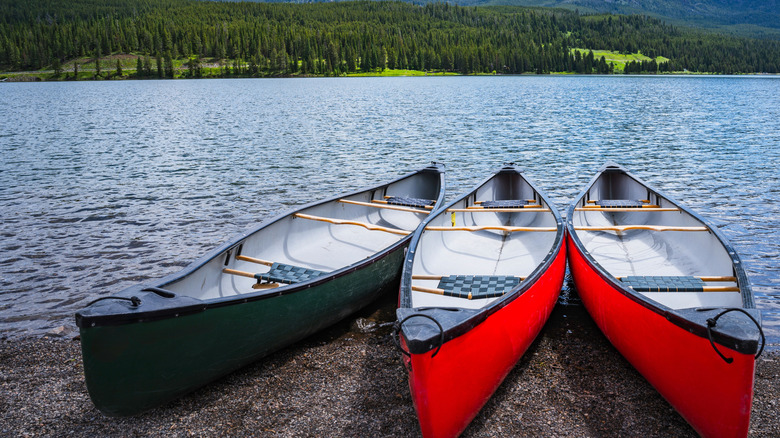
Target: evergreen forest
[[189, 38]]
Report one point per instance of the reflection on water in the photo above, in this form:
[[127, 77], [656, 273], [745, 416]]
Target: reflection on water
[[106, 184]]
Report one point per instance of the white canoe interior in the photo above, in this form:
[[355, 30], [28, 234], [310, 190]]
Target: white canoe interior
[[654, 239], [323, 237], [469, 240]]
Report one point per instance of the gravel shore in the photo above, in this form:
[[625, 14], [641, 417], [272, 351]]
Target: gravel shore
[[348, 381]]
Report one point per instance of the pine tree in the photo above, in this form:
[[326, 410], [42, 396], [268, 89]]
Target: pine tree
[[168, 66], [97, 62], [57, 67], [147, 65], [160, 70]]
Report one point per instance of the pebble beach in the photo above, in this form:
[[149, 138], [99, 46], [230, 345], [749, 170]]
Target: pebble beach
[[348, 381]]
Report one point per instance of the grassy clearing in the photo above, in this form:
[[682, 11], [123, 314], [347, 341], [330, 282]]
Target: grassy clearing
[[398, 72], [619, 60]]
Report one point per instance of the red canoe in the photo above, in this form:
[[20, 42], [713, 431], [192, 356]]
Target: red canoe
[[671, 295], [480, 280]]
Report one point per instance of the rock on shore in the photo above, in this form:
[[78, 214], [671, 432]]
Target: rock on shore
[[348, 381]]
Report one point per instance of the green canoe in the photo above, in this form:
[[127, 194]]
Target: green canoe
[[257, 293]]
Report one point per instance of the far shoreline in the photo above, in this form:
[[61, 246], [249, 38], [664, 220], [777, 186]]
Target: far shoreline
[[47, 76]]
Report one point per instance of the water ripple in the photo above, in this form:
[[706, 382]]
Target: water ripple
[[106, 184]]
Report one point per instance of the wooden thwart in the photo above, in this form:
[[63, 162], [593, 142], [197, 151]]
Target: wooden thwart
[[430, 290], [437, 291], [721, 289], [254, 260], [371, 227], [426, 277], [717, 278], [250, 275], [384, 205], [621, 228], [239, 273], [492, 227]]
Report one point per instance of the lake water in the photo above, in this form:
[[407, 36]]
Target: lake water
[[106, 184]]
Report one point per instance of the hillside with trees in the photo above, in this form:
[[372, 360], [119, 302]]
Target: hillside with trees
[[757, 18], [753, 18], [187, 38]]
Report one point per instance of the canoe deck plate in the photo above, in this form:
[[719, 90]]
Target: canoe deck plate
[[664, 284], [477, 286]]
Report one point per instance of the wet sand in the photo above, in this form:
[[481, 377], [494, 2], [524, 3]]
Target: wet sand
[[348, 381]]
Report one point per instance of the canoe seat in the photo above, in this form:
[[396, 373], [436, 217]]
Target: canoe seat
[[410, 202], [288, 274], [477, 286], [619, 203], [664, 284], [505, 203]]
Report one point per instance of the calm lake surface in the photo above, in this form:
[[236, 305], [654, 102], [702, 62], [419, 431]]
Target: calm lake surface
[[106, 184]]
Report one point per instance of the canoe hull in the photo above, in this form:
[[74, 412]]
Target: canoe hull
[[130, 368], [714, 397], [449, 389]]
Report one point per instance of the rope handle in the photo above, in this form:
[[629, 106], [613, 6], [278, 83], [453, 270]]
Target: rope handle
[[712, 322], [397, 330]]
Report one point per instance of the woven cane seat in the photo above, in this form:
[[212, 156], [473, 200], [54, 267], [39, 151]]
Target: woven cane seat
[[664, 284], [477, 286]]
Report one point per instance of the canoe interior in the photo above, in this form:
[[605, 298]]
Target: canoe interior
[[642, 252], [311, 243], [483, 252]]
